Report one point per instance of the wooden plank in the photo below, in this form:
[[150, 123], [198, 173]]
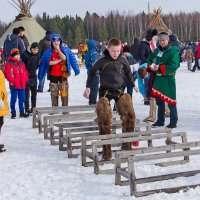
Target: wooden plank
[[166, 190]]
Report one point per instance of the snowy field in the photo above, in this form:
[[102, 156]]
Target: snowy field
[[32, 169]]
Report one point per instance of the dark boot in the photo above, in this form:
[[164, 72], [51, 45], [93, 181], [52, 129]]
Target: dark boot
[[13, 115], [25, 115]]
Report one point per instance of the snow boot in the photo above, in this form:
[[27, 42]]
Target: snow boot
[[104, 120], [54, 87], [127, 114], [152, 111]]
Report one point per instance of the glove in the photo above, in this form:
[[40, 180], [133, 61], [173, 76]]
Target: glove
[[154, 67], [1, 105], [163, 69]]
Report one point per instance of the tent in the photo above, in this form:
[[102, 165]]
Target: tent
[[34, 32], [156, 22]]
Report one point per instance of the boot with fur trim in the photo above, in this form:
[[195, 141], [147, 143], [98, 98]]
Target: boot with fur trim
[[127, 115], [54, 89], [152, 112], [104, 120]]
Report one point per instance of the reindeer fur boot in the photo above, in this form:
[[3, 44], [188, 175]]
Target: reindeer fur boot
[[104, 120], [127, 115], [54, 89]]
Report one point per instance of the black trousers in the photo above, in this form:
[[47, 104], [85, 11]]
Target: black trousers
[[33, 90], [111, 94], [1, 122]]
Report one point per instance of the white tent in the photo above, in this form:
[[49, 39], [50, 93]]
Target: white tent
[[34, 32]]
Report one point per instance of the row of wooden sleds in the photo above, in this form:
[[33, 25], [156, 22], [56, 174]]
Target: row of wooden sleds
[[75, 130]]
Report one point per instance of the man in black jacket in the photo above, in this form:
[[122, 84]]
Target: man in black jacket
[[44, 44]]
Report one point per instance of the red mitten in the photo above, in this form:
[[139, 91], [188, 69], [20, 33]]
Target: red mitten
[[135, 143], [163, 69]]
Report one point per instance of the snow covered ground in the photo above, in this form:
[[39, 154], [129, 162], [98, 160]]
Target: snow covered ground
[[32, 169]]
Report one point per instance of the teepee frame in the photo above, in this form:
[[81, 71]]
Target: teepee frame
[[23, 6], [156, 22]]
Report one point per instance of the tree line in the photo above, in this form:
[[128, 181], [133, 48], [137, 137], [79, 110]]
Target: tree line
[[125, 26]]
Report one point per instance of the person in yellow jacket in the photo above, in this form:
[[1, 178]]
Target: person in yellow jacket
[[4, 108]]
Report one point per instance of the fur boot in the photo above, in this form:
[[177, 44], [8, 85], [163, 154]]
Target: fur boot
[[127, 115], [152, 111], [54, 89], [104, 120]]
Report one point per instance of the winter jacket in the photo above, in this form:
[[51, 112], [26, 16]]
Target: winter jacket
[[44, 44], [3, 96], [16, 73], [198, 51], [12, 41], [25, 41], [144, 51], [135, 49], [45, 60], [31, 62], [111, 72], [164, 84], [91, 56]]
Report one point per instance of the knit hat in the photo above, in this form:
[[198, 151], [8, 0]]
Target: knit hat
[[14, 52], [162, 36], [142, 72], [127, 49], [34, 45], [150, 33]]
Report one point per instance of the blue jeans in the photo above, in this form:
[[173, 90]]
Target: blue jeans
[[94, 88], [161, 112], [41, 84], [20, 93]]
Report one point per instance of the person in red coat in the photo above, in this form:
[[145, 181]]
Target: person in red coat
[[17, 75]]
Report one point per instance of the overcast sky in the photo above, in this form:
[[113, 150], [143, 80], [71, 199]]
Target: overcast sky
[[101, 7]]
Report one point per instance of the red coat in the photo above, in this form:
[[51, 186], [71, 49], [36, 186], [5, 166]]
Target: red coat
[[198, 51], [16, 73]]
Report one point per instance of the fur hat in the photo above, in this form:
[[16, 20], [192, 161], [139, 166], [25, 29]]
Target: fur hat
[[34, 45], [14, 52], [142, 72], [150, 33]]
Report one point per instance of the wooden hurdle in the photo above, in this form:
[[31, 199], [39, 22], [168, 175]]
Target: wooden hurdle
[[155, 153], [38, 113]]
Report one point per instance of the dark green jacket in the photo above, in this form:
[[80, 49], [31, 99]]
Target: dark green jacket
[[164, 84]]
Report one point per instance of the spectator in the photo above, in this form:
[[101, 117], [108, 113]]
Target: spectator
[[4, 109], [90, 58], [135, 49], [31, 60], [23, 37], [16, 73], [164, 61], [57, 62], [13, 41], [43, 45]]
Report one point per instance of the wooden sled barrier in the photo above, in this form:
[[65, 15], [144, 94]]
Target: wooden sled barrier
[[74, 135], [155, 153], [38, 113], [92, 158]]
